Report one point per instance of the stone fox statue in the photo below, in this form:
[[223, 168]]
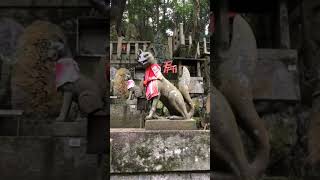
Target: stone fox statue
[[232, 108], [177, 100], [74, 86]]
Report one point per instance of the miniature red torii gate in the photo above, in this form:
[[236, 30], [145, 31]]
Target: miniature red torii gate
[[169, 67]]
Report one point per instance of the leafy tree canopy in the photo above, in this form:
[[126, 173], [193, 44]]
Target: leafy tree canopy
[[145, 18]]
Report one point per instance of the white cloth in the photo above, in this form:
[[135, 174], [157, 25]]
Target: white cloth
[[67, 70], [130, 84]]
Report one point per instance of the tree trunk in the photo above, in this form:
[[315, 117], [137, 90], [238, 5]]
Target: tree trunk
[[164, 9], [196, 17]]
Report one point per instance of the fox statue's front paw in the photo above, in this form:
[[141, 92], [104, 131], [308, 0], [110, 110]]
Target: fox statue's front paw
[[60, 119], [148, 117], [154, 116]]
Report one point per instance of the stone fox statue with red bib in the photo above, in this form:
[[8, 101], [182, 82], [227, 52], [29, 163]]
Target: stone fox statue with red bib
[[177, 100]]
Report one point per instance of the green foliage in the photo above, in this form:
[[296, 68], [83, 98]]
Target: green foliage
[[152, 16]]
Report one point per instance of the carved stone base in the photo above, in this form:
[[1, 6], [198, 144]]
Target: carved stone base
[[167, 124], [71, 129]]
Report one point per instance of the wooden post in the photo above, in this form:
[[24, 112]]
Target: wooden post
[[198, 51], [175, 40], [144, 46], [119, 47], [111, 49], [180, 67], [128, 50], [136, 48], [181, 34], [190, 43], [170, 47], [205, 50], [198, 69], [284, 33]]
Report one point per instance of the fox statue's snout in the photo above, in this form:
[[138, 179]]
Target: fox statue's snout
[[143, 57], [146, 58]]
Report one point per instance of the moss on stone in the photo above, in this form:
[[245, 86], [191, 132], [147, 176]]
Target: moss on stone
[[163, 151]]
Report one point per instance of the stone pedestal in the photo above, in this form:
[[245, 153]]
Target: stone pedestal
[[167, 124], [124, 116], [70, 129], [138, 152]]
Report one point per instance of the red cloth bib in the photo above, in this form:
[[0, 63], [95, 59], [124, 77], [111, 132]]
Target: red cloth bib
[[153, 72]]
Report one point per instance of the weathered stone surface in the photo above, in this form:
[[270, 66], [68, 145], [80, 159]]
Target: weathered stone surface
[[167, 124], [122, 116], [24, 157], [173, 176], [72, 162], [10, 32], [196, 85], [275, 178], [284, 139], [276, 75], [39, 158], [224, 176], [75, 129], [138, 150], [91, 36]]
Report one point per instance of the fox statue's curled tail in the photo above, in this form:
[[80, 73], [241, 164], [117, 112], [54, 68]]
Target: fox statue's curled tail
[[183, 86]]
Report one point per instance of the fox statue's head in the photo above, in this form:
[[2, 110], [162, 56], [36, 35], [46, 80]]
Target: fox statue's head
[[146, 58]]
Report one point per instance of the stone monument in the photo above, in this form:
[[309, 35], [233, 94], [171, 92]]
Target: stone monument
[[176, 99]]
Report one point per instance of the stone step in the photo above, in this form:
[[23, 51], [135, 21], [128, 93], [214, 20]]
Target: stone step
[[224, 176], [275, 178], [171, 175], [167, 124]]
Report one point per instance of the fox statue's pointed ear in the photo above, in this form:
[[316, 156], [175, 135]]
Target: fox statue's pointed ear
[[139, 52]]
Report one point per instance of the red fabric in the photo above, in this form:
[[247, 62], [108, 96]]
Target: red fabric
[[59, 70], [66, 70], [152, 90], [153, 72]]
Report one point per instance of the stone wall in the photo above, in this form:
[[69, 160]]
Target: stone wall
[[175, 176], [166, 151], [38, 158], [147, 154]]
